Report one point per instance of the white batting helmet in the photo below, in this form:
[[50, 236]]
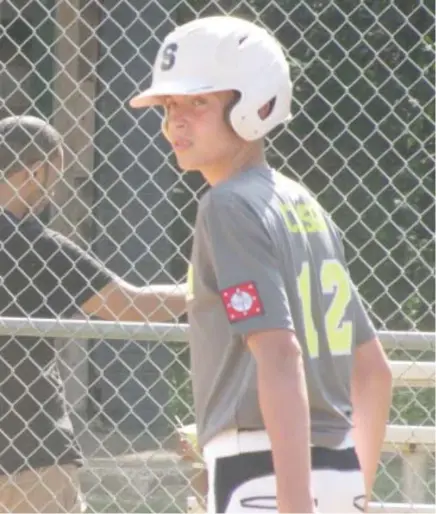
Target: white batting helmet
[[220, 53]]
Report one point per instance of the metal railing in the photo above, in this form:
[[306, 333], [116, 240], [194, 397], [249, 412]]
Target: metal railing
[[414, 443]]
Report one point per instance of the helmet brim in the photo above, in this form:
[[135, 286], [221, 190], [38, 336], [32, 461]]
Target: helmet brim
[[155, 95]]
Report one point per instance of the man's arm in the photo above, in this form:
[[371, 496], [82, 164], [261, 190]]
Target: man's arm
[[281, 380], [371, 389], [109, 297], [125, 302], [63, 280]]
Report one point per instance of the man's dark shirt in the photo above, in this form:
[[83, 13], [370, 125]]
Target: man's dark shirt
[[42, 275]]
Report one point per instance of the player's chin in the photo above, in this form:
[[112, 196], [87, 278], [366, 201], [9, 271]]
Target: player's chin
[[187, 164]]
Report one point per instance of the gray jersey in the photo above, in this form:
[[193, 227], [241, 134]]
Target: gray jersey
[[266, 256]]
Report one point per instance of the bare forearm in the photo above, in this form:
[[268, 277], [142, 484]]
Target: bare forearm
[[288, 427], [156, 303], [122, 301], [165, 301], [371, 404]]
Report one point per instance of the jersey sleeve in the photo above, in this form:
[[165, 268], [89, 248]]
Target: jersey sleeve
[[245, 266], [51, 276]]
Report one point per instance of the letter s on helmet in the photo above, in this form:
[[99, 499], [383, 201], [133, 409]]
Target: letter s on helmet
[[221, 53]]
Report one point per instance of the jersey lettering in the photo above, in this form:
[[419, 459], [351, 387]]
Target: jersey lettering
[[303, 217]]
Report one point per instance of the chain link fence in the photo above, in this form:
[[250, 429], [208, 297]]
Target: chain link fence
[[362, 140]]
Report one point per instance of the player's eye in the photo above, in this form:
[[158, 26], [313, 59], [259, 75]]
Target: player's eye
[[169, 105], [199, 101]]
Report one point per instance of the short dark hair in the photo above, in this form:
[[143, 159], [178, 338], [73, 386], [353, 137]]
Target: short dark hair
[[25, 140]]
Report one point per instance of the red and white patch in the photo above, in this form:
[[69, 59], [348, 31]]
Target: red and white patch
[[242, 301]]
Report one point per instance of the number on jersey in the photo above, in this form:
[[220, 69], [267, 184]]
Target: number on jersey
[[335, 281]]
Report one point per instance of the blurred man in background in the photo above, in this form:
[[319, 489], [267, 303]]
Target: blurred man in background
[[45, 275]]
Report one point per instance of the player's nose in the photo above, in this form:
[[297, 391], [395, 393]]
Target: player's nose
[[177, 127], [177, 113]]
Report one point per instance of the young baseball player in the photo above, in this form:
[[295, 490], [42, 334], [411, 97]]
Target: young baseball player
[[284, 357]]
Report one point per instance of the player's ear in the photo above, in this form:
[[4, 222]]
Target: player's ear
[[164, 127], [231, 103], [229, 106]]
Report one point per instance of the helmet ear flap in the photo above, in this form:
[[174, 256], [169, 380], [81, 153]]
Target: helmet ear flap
[[267, 109]]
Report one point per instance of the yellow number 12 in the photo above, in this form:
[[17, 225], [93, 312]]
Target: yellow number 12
[[334, 280]]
